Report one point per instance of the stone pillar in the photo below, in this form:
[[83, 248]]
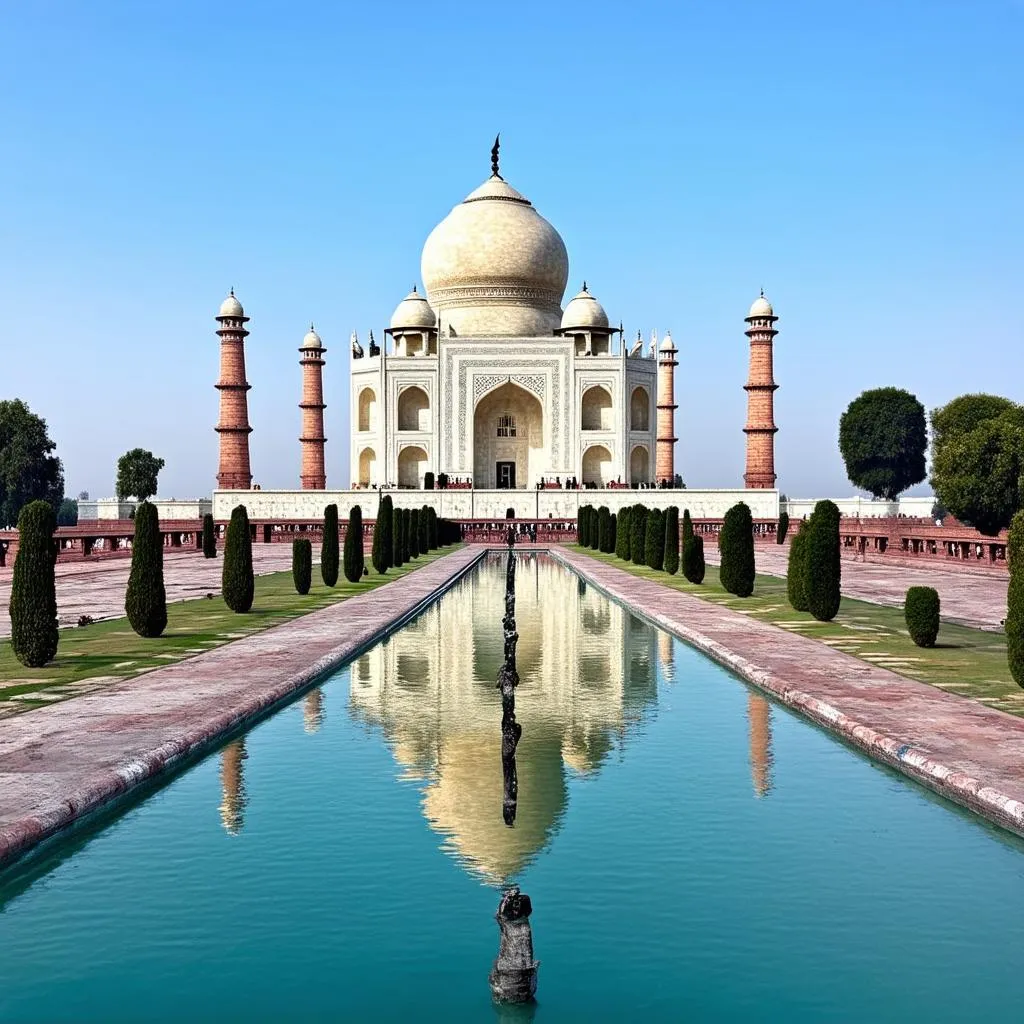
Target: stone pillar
[[665, 448], [760, 388], [233, 471], [313, 475]]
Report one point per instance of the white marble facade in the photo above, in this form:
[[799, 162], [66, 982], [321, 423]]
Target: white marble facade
[[487, 378]]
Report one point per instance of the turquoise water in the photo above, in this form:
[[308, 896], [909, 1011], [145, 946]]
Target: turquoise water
[[692, 851]]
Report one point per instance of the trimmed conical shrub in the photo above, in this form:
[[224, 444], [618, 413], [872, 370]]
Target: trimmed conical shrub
[[406, 532], [380, 552], [423, 538], [783, 528], [795, 592], [329, 556], [613, 531], [398, 537], [737, 546], [1014, 599], [638, 531], [821, 562], [604, 529], [921, 612], [687, 525], [433, 537], [672, 540], [655, 541], [694, 567], [414, 533], [623, 533], [582, 537], [353, 558], [302, 565], [237, 582], [33, 605], [145, 601], [209, 537]]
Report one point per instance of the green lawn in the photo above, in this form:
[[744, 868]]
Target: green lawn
[[93, 656], [969, 662]]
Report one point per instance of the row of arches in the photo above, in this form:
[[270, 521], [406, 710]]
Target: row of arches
[[595, 412]]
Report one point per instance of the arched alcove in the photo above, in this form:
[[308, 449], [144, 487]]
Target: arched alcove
[[412, 464], [597, 465], [639, 466], [367, 467], [596, 409], [367, 409], [413, 409], [640, 409], [508, 438]]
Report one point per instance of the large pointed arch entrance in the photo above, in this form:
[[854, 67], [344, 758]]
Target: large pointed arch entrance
[[508, 438]]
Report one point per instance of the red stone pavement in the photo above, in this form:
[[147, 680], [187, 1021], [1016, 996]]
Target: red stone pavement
[[971, 600], [62, 761], [969, 753]]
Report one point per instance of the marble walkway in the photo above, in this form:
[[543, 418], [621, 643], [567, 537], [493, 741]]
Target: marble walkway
[[60, 762], [971, 754], [970, 600]]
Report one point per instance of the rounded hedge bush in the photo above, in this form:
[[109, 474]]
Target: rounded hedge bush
[[33, 605], [209, 537], [1015, 600], [921, 611], [821, 562], [329, 559], [795, 592], [353, 557], [237, 582], [737, 546], [302, 565], [145, 601], [672, 540], [654, 556]]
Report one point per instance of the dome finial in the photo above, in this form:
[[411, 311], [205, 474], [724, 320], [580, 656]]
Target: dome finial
[[584, 285], [232, 289], [494, 155]]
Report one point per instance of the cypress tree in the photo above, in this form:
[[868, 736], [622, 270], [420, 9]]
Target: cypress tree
[[821, 565], [613, 530], [623, 533], [581, 526], [380, 552], [414, 533], [33, 604], [353, 556], [783, 528], [423, 538], [638, 531], [595, 529], [302, 565], [237, 583], [795, 569], [672, 540], [1014, 599], [687, 525], [209, 537], [433, 536], [696, 560], [146, 600], [655, 543], [737, 545], [406, 528], [397, 537], [604, 528], [329, 548]]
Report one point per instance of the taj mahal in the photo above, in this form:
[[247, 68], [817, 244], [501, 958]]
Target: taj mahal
[[484, 381]]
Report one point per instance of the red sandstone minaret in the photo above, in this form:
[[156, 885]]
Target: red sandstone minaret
[[313, 475], [760, 388], [233, 427], [665, 448]]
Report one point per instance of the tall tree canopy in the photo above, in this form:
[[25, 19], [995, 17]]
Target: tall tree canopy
[[978, 460], [28, 469], [137, 471], [882, 438]]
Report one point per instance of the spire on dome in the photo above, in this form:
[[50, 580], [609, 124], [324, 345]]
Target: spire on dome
[[494, 156]]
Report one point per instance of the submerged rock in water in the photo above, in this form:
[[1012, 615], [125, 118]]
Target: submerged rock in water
[[514, 974]]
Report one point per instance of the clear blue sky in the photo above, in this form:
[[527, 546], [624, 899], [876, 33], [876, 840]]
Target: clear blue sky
[[860, 161]]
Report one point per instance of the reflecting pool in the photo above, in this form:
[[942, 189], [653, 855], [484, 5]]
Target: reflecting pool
[[692, 851]]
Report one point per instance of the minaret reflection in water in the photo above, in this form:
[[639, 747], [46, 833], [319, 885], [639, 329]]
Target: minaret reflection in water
[[759, 715], [232, 785]]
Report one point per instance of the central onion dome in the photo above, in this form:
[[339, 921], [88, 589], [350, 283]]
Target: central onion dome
[[495, 266]]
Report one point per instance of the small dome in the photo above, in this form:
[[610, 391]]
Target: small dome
[[761, 307], [584, 311], [312, 339], [666, 343], [413, 313], [231, 306]]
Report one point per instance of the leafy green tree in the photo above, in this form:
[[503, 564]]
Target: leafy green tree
[[28, 470], [423, 539], [1014, 600], [822, 567], [672, 540], [209, 537], [414, 533], [963, 414], [623, 532], [33, 605], [137, 471], [237, 581], [921, 611], [736, 542], [638, 534], [67, 514], [302, 564], [604, 529], [145, 601], [795, 591], [882, 438], [783, 528], [654, 539], [353, 557], [383, 541], [329, 554], [977, 474], [397, 537]]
